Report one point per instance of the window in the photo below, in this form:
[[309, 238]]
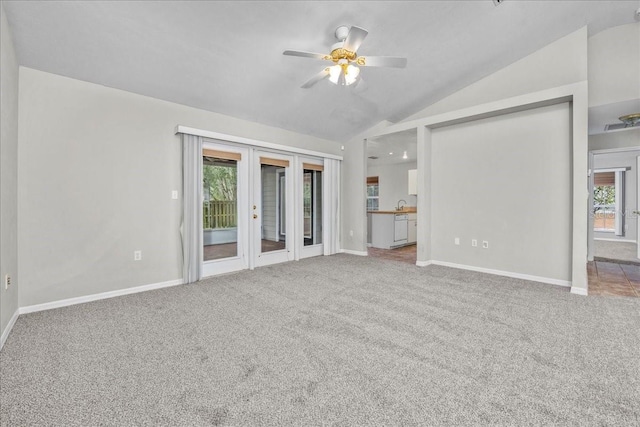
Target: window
[[373, 193], [607, 201]]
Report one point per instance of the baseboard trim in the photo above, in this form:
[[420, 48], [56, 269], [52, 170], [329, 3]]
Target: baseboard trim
[[614, 240], [350, 252], [424, 263], [579, 291], [7, 330], [557, 282], [97, 297]]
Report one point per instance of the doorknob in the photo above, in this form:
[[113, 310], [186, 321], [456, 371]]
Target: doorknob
[[255, 216]]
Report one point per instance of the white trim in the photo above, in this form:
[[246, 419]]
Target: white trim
[[350, 252], [579, 291], [7, 330], [96, 297], [611, 170], [615, 240], [614, 150], [423, 263], [253, 142], [548, 280]]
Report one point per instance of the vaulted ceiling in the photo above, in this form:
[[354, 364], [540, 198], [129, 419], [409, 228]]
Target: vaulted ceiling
[[227, 57]]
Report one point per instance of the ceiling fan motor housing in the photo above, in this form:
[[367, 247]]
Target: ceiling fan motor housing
[[342, 32]]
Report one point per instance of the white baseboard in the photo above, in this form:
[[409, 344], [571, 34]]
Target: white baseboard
[[614, 240], [350, 252], [579, 291], [548, 280], [7, 330], [423, 263], [96, 297]]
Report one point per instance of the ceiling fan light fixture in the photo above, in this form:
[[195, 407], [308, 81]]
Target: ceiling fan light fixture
[[630, 120], [351, 73]]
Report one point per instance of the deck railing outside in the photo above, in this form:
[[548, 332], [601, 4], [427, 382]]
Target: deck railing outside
[[219, 214]]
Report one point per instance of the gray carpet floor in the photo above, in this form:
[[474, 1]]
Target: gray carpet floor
[[339, 340], [625, 252]]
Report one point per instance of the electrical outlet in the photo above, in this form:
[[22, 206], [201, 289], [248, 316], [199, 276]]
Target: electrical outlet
[[485, 244], [7, 281], [174, 194], [137, 255], [474, 242], [456, 240], [351, 233]]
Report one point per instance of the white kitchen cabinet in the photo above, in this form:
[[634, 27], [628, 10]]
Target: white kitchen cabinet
[[413, 181], [388, 230], [412, 232]]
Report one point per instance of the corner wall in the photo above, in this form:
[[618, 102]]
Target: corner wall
[[96, 171], [8, 176]]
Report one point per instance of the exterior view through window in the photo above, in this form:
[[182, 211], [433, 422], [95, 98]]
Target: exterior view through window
[[604, 202], [219, 208]]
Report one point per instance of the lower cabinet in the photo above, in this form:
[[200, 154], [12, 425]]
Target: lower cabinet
[[412, 232]]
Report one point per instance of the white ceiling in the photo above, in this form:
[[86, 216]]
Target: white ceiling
[[227, 57]]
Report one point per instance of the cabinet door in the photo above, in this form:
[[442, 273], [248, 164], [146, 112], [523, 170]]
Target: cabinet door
[[412, 235]]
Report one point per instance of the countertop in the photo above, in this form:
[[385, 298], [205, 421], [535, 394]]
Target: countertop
[[402, 211]]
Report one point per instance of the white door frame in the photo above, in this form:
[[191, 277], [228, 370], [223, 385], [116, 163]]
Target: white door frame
[[241, 261], [590, 231]]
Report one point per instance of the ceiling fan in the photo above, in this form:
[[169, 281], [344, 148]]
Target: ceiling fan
[[628, 121], [345, 58]]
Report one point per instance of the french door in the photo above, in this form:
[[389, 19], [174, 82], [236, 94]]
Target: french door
[[261, 207], [225, 202], [273, 208]]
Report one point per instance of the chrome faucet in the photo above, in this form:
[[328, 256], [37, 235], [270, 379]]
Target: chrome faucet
[[400, 207]]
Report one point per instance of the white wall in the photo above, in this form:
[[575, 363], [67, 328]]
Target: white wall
[[618, 139], [614, 65], [626, 159], [496, 180], [393, 184], [560, 63], [96, 170], [8, 174]]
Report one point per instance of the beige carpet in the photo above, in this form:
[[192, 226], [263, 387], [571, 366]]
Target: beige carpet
[[341, 340]]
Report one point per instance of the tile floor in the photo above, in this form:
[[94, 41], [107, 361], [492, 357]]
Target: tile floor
[[612, 279], [404, 254]]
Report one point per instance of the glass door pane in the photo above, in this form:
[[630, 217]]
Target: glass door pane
[[219, 207], [274, 208], [312, 206]]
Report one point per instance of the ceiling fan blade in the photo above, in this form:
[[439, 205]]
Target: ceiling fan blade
[[315, 79], [354, 39], [382, 61], [306, 54]]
